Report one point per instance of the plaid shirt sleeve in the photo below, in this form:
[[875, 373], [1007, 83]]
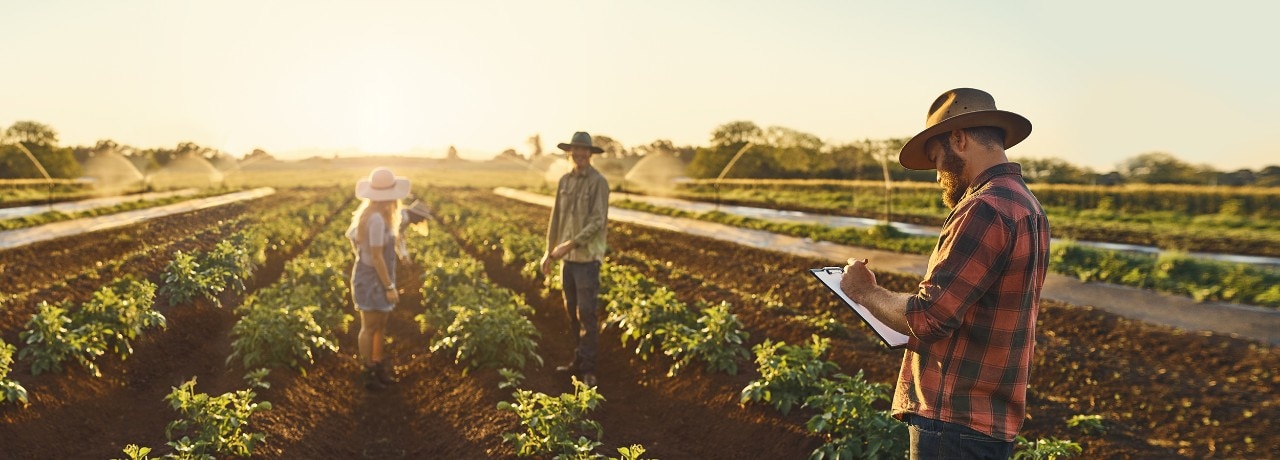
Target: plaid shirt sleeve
[[970, 257]]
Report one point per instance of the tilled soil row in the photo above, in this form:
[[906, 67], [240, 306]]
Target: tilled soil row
[[76, 415], [73, 268], [1161, 392]]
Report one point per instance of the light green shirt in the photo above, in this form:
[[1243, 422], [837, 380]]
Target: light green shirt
[[580, 214]]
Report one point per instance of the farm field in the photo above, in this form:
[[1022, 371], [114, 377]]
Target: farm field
[[1174, 217], [1160, 393]]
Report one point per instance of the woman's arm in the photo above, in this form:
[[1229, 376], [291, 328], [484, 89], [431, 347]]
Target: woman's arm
[[384, 273]]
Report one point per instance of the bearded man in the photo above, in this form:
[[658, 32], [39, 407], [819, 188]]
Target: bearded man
[[971, 324]]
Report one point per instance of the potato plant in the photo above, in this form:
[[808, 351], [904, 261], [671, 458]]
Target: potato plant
[[10, 391], [1044, 449], [555, 425], [208, 274], [286, 323], [849, 424], [789, 374], [210, 426], [718, 341], [484, 325], [114, 316]]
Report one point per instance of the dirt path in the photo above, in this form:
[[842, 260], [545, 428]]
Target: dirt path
[[24, 236], [1150, 306]]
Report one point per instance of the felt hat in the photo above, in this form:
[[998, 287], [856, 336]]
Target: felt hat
[[962, 108], [581, 139]]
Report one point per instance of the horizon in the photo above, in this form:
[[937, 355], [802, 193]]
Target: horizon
[[1101, 82]]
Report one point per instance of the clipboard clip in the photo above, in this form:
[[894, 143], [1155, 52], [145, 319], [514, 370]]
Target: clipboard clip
[[832, 270]]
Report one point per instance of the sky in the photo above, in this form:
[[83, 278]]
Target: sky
[[1101, 81]]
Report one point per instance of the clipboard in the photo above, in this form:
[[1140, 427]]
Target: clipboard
[[830, 277]]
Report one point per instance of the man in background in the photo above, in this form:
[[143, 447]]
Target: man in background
[[576, 234]]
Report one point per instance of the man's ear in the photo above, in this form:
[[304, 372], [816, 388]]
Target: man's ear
[[959, 140]]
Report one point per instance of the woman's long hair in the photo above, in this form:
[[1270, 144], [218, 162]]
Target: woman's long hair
[[390, 211]]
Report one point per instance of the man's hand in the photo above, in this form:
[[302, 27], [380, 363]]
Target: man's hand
[[546, 264], [562, 250], [857, 281]]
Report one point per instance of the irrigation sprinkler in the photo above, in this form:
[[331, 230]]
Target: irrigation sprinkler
[[715, 186], [39, 166], [883, 156]]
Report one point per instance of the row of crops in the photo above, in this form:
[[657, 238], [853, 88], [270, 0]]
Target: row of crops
[[847, 411], [1189, 200], [1175, 218], [1172, 272], [310, 293], [290, 322]]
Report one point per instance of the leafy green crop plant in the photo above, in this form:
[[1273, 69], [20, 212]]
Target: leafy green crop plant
[[555, 425], [788, 374], [10, 390], [851, 427]]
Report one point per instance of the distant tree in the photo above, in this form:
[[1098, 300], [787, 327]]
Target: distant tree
[[708, 162], [852, 161], [258, 155], [794, 153], [1158, 168], [509, 155], [31, 134], [736, 133], [1268, 177], [42, 141], [1051, 171], [1237, 178], [452, 155], [1111, 178], [535, 144], [661, 146], [144, 159], [612, 148]]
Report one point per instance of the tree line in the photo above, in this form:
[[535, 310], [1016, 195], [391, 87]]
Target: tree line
[[784, 153], [775, 153], [65, 162]]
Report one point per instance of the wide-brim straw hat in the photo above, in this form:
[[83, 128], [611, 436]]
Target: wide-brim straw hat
[[580, 139], [382, 185], [962, 108]]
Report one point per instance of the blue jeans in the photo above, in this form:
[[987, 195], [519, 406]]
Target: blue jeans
[[581, 282], [933, 439]]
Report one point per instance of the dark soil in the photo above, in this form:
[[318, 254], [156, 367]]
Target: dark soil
[[1162, 393]]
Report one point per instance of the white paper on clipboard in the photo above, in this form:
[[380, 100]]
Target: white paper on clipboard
[[830, 276]]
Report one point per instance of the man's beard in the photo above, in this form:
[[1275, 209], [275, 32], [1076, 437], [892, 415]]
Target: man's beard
[[951, 176]]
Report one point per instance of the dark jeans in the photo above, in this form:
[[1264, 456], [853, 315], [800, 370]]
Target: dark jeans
[[581, 300], [934, 439]]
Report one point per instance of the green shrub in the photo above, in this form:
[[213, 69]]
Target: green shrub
[[10, 390], [555, 425], [718, 341], [851, 427], [273, 335], [788, 374], [1044, 449], [114, 316], [1087, 424], [213, 426]]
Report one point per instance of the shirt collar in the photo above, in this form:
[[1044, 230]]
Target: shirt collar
[[994, 172], [581, 173]]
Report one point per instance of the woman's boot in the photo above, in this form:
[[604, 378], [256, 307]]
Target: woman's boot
[[386, 373], [370, 378]]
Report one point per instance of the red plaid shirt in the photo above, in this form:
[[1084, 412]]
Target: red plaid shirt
[[973, 322]]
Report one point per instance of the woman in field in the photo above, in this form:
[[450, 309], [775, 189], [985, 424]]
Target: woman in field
[[374, 233]]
